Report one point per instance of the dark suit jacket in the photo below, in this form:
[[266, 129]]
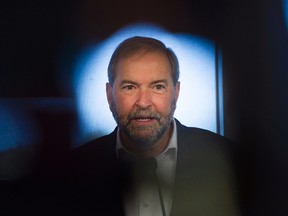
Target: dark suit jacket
[[205, 181]]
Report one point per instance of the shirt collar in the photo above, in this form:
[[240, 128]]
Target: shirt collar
[[171, 145]]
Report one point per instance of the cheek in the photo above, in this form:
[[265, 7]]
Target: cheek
[[123, 104], [163, 104]]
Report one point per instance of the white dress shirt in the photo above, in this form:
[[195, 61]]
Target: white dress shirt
[[145, 200]]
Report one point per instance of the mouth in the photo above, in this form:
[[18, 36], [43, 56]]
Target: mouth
[[143, 120]]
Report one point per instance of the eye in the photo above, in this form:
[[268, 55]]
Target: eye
[[128, 87], [159, 88]]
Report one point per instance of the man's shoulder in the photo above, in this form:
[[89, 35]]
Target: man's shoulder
[[197, 138], [207, 163], [100, 149], [103, 142], [199, 133], [96, 158]]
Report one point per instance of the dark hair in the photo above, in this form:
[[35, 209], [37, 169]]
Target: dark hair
[[133, 45]]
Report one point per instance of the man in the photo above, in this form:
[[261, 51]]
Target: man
[[151, 164]]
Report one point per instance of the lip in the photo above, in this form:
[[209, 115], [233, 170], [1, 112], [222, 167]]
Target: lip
[[143, 121]]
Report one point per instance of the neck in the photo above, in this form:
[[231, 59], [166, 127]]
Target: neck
[[152, 151]]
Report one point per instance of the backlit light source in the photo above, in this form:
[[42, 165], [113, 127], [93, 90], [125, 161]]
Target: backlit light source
[[197, 101]]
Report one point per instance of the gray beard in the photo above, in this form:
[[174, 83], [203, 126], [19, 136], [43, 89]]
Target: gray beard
[[152, 133]]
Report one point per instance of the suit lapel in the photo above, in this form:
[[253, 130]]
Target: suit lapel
[[204, 180]]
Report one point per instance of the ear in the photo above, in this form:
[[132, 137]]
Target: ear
[[177, 90], [109, 95]]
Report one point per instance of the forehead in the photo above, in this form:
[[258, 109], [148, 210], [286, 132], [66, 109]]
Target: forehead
[[145, 59]]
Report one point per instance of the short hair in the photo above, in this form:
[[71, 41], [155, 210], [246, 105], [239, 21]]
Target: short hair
[[136, 44]]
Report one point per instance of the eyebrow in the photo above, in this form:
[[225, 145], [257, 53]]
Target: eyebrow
[[128, 82], [160, 81], [123, 82]]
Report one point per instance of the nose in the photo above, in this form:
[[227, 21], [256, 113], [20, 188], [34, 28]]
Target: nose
[[144, 98]]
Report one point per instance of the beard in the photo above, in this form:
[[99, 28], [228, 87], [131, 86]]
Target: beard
[[144, 136]]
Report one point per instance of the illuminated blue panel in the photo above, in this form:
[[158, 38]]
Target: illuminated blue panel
[[285, 3], [197, 101], [17, 129], [18, 135], [219, 92]]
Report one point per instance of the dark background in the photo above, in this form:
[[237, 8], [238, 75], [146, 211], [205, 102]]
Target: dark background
[[40, 40]]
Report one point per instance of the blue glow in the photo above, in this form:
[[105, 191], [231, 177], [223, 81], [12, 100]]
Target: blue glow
[[197, 101], [285, 3], [17, 128], [220, 94]]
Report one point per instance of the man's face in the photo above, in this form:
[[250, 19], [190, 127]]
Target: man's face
[[143, 97]]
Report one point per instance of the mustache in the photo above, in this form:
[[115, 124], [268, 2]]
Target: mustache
[[144, 114]]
